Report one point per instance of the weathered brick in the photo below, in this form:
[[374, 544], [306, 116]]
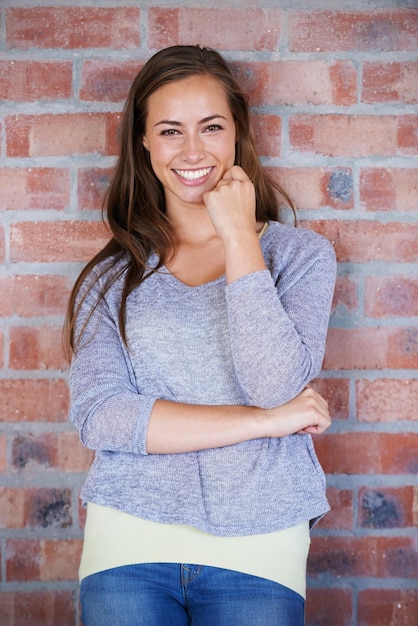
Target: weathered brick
[[390, 82], [42, 560], [386, 189], [50, 242], [26, 81], [62, 134], [298, 82], [328, 607], [380, 557], [50, 451], [327, 31], [314, 188], [92, 186], [368, 453], [391, 296], [41, 507], [30, 400], [33, 295], [36, 348], [37, 608], [361, 241], [387, 607], [385, 507], [371, 348], [72, 27], [254, 29], [353, 135], [386, 400], [107, 81]]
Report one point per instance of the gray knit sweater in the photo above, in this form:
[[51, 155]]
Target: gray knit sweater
[[257, 341]]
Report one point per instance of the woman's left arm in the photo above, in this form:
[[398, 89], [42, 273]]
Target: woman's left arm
[[278, 333]]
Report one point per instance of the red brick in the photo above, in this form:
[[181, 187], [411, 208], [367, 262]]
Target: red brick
[[380, 557], [72, 456], [387, 607], [106, 81], [1, 349], [327, 31], [384, 507], [341, 515], [314, 188], [48, 242], [254, 29], [391, 296], [384, 189], [353, 135], [371, 348], [386, 400], [42, 560], [390, 82], [34, 188], [336, 392], [34, 400], [62, 134], [37, 608], [363, 241], [345, 295], [408, 135], [26, 81], [3, 463], [329, 607], [92, 185], [72, 27], [12, 508], [33, 295], [298, 82], [2, 246], [268, 134], [36, 348], [368, 453]]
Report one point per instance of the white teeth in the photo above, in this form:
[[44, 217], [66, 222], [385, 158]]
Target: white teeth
[[193, 174]]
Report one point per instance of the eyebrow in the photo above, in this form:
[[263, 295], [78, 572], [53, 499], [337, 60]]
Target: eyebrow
[[205, 120]]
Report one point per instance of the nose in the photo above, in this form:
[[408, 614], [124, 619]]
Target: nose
[[193, 150]]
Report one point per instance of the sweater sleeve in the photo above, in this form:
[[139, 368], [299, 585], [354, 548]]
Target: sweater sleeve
[[106, 407], [278, 324]]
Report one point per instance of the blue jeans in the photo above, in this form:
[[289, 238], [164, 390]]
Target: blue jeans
[[170, 594]]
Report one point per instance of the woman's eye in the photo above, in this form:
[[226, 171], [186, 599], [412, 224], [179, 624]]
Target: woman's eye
[[169, 131], [213, 127]]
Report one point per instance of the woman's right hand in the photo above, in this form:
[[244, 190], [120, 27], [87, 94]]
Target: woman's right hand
[[306, 413]]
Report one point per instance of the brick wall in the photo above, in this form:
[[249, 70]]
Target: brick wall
[[334, 93]]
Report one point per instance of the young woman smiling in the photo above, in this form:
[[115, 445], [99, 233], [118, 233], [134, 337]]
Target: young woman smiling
[[194, 335]]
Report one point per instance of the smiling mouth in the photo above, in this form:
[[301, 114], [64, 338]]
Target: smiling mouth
[[193, 174]]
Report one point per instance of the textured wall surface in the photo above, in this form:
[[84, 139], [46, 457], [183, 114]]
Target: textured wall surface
[[334, 91]]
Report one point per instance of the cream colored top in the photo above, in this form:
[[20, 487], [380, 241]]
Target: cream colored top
[[113, 539]]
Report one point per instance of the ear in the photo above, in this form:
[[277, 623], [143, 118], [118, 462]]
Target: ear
[[145, 143]]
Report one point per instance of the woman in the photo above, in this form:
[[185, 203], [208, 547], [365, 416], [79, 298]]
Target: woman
[[195, 333]]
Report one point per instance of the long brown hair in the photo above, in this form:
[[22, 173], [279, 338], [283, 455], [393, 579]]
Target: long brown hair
[[134, 202]]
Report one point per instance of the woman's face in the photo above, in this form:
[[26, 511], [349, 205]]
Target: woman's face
[[190, 134]]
